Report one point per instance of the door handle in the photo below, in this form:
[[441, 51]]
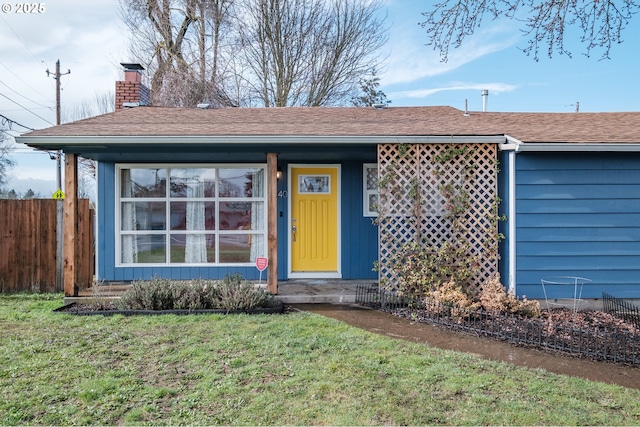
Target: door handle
[[294, 228]]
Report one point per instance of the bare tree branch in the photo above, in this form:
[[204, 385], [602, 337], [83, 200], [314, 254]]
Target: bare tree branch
[[6, 162], [309, 52], [545, 23], [182, 45]]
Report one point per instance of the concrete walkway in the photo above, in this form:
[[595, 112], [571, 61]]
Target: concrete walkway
[[319, 291]]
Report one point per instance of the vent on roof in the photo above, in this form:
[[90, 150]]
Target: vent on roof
[[130, 104], [485, 95], [203, 106], [379, 106]]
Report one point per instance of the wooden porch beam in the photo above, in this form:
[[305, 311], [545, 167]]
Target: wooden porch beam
[[70, 223], [272, 222]]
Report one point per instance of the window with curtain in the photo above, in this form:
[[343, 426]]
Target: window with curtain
[[191, 215]]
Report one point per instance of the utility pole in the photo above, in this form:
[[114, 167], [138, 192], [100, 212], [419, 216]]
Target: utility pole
[[59, 155], [59, 202]]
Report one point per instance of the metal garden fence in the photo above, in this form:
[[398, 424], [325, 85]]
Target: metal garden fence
[[593, 342], [621, 309]]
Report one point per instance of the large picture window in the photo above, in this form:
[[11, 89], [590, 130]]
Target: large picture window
[[180, 214]]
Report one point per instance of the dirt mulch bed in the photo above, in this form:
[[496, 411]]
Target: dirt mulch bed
[[110, 309], [594, 335]]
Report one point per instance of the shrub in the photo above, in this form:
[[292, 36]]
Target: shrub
[[231, 293], [444, 277], [494, 298], [238, 294], [421, 270], [154, 294], [450, 297], [197, 294]]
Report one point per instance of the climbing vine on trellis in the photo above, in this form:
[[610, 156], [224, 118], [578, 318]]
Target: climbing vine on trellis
[[437, 215]]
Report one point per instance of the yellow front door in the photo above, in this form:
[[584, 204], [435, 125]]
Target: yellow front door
[[314, 221]]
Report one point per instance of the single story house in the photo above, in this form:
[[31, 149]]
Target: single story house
[[203, 192]]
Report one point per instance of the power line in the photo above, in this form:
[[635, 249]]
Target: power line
[[25, 83], [19, 38], [25, 108], [18, 93], [8, 120]]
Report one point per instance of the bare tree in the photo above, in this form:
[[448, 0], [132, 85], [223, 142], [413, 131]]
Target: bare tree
[[6, 162], [184, 48], [102, 103], [545, 22], [309, 52]]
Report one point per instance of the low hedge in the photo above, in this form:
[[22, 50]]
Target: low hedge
[[231, 294]]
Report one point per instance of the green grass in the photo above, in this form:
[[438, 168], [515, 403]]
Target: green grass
[[293, 369]]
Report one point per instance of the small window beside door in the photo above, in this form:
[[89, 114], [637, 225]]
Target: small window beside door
[[370, 189]]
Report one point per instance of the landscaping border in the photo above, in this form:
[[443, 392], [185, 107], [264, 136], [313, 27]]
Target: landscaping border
[[621, 309], [596, 343], [278, 308]]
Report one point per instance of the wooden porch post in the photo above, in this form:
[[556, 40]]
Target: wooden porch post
[[70, 223], [272, 222]]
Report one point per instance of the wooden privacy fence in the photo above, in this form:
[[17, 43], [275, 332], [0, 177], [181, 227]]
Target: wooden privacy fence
[[28, 246]]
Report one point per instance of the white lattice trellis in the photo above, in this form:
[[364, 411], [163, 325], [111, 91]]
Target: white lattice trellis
[[412, 206]]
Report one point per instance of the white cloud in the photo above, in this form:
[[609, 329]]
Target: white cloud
[[494, 88], [411, 60], [84, 36]]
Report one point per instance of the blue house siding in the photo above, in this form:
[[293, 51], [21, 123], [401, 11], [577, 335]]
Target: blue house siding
[[578, 214], [359, 235]]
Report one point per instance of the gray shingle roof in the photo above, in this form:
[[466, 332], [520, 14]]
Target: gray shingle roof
[[391, 121]]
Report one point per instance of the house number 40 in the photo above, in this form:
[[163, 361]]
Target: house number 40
[[282, 193]]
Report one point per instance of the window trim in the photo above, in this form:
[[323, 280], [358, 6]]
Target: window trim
[[167, 199], [366, 211]]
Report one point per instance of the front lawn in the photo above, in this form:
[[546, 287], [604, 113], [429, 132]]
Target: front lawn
[[291, 369]]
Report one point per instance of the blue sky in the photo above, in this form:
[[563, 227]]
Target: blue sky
[[89, 39]]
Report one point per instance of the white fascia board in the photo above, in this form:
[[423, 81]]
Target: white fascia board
[[55, 142]]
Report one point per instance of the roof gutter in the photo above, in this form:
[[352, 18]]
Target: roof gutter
[[576, 146], [512, 144], [58, 142]]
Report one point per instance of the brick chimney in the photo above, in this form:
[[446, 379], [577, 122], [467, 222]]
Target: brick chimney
[[131, 92]]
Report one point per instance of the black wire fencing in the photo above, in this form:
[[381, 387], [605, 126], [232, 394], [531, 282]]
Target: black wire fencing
[[596, 343], [621, 309]]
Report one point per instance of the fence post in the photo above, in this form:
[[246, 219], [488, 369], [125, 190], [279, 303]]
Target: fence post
[[59, 245]]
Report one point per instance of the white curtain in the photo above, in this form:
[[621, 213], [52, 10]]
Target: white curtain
[[257, 216], [128, 219], [196, 244]]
